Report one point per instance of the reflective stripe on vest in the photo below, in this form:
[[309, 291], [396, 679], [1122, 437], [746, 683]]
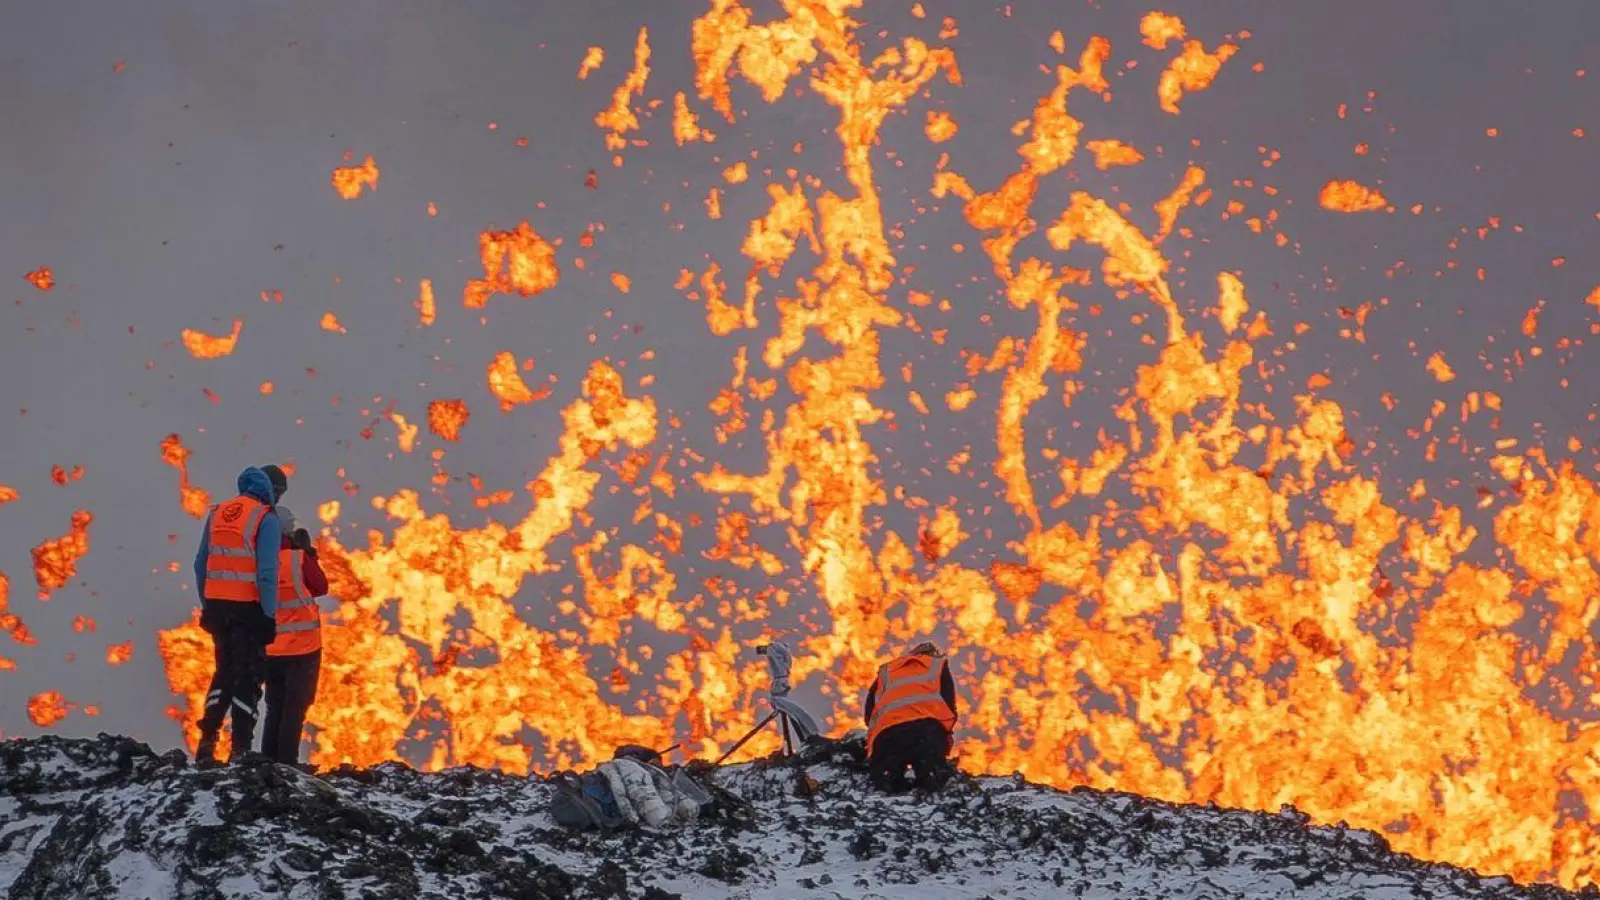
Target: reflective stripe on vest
[[907, 691], [299, 623], [231, 554]]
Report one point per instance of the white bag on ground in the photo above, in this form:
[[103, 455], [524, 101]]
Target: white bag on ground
[[646, 795]]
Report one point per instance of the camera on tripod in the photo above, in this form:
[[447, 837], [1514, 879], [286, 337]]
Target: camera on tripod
[[797, 726]]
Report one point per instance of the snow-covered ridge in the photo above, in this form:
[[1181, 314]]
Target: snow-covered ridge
[[111, 818]]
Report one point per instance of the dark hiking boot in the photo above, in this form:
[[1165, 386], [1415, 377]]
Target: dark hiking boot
[[205, 752], [935, 780]]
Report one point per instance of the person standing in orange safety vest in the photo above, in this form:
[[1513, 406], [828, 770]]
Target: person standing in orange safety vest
[[911, 715], [236, 574], [294, 658]]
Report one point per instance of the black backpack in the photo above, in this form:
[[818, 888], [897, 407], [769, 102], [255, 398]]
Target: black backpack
[[584, 802]]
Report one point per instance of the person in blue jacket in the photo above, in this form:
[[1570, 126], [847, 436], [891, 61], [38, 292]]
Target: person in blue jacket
[[236, 575]]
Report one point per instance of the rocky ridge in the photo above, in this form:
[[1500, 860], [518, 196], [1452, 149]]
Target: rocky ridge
[[111, 818]]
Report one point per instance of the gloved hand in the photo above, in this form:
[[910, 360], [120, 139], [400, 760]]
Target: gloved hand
[[267, 629], [301, 540]]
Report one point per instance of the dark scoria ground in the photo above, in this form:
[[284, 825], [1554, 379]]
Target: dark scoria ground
[[111, 818]]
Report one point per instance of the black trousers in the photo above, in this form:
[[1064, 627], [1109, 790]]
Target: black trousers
[[291, 686], [236, 639], [921, 746]]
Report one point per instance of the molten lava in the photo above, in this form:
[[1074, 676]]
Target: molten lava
[[55, 561], [1351, 197], [64, 477], [427, 309], [506, 383], [1202, 612], [42, 278], [1113, 152], [47, 708], [10, 622], [117, 654], [619, 118], [194, 500], [1192, 70], [204, 346], [529, 262], [349, 181], [446, 418], [1157, 28], [593, 58]]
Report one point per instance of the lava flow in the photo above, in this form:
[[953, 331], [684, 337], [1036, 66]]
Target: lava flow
[[1203, 613]]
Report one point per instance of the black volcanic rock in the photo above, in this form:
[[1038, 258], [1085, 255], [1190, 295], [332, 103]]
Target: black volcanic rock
[[110, 818]]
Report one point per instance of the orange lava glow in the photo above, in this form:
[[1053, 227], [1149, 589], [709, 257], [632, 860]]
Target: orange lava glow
[[7, 495], [55, 561], [204, 346], [1350, 197], [506, 383], [1110, 153], [1157, 28], [42, 278], [592, 59], [1439, 369], [117, 654], [9, 621], [349, 181], [427, 310], [446, 418], [941, 127], [619, 118], [1200, 601], [47, 708], [519, 261], [63, 477], [194, 500], [1192, 70]]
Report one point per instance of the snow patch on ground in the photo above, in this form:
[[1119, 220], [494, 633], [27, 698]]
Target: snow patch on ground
[[109, 818]]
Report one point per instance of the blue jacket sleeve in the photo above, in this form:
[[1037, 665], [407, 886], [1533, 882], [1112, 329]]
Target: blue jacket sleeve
[[200, 560], [268, 537]]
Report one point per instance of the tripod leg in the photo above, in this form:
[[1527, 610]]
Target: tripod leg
[[746, 738], [783, 725]]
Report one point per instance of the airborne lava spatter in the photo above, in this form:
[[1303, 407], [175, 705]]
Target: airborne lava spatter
[[1267, 683], [204, 346], [47, 708], [193, 499], [349, 181], [42, 278], [55, 561]]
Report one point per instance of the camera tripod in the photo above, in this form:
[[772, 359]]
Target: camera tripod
[[795, 724], [784, 726]]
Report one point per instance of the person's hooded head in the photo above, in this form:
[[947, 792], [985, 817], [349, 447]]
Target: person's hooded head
[[926, 648], [255, 484], [280, 481]]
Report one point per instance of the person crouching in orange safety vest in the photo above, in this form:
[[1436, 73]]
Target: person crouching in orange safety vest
[[911, 714], [236, 573], [294, 658]]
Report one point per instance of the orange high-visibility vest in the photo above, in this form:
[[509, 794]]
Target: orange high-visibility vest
[[908, 690], [299, 623], [231, 560]]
